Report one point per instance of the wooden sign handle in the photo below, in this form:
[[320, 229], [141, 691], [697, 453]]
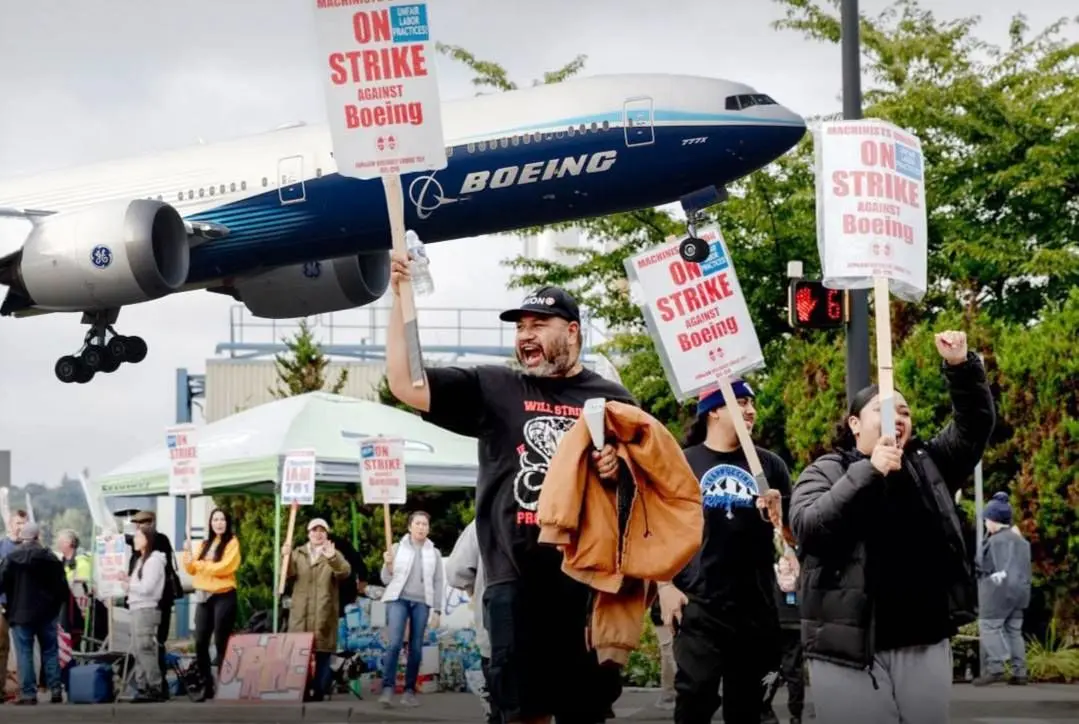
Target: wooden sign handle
[[187, 517], [395, 208], [744, 439], [388, 529], [293, 509], [774, 512], [882, 308]]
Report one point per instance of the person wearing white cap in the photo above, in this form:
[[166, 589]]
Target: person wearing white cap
[[318, 568]]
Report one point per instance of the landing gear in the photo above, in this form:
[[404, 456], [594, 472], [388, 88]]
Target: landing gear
[[693, 249], [103, 351]]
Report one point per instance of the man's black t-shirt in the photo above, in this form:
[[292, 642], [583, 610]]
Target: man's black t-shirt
[[519, 420], [732, 573]]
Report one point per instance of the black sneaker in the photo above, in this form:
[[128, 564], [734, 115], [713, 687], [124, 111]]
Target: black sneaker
[[1018, 681], [57, 697]]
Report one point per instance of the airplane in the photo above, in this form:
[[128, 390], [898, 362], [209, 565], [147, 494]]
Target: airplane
[[268, 220]]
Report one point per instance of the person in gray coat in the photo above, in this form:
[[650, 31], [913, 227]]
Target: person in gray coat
[[1003, 595]]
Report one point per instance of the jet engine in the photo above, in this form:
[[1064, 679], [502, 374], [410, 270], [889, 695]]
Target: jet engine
[[316, 287], [104, 256]]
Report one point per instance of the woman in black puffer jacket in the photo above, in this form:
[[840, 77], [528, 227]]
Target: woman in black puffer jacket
[[886, 576]]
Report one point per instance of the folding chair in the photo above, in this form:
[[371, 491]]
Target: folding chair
[[118, 652]]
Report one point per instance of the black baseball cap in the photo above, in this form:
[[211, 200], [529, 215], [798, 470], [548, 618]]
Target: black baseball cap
[[547, 302]]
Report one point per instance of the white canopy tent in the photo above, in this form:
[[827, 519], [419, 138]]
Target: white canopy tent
[[244, 452]]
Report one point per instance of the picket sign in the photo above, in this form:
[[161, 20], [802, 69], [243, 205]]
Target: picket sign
[[382, 476], [297, 488], [185, 473], [385, 116], [384, 110], [698, 317], [872, 225]]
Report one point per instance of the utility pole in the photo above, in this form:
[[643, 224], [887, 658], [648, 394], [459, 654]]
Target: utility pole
[[858, 321]]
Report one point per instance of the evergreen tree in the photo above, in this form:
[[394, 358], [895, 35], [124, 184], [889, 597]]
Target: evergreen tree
[[303, 368]]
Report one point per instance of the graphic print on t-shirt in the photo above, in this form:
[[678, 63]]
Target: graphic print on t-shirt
[[728, 486], [541, 438]]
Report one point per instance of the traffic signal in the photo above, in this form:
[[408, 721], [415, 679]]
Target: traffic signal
[[811, 305]]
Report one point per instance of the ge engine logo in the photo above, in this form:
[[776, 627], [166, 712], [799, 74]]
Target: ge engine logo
[[101, 256]]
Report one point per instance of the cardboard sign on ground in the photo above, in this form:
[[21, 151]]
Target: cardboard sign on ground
[[266, 667]]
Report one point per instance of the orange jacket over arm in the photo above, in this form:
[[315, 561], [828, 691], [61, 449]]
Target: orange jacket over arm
[[579, 513]]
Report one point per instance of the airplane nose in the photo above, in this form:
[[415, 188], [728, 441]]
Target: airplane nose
[[794, 126]]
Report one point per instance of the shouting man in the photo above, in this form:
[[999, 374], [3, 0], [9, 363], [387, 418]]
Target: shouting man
[[535, 614]]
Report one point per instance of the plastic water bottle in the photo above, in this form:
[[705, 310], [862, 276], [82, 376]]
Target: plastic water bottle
[[420, 265]]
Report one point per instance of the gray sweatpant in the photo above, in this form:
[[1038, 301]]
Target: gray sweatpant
[[1002, 640], [913, 686], [144, 623]]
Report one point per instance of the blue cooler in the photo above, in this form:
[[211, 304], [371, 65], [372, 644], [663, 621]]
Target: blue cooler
[[90, 684]]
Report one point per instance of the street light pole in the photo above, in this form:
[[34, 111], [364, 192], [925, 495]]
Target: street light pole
[[858, 320]]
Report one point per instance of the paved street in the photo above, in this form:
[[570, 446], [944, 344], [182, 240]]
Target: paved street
[[1041, 704]]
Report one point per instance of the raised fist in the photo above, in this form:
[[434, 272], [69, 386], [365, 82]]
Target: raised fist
[[952, 347]]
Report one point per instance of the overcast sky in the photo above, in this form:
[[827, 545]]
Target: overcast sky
[[99, 79]]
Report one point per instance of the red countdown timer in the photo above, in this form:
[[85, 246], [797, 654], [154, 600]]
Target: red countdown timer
[[811, 305]]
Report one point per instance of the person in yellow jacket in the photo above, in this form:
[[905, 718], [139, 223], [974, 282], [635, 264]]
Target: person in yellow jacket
[[213, 572], [79, 569]]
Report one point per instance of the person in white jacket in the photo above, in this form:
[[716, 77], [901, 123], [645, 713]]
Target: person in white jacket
[[145, 587], [464, 570], [415, 589]]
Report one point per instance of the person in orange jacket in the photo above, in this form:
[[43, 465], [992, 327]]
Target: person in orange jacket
[[214, 573]]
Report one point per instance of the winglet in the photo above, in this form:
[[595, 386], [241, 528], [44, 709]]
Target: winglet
[[27, 214]]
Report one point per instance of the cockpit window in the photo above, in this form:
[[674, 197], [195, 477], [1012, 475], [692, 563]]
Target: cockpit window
[[748, 100]]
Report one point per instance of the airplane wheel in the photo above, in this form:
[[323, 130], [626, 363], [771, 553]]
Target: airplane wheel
[[136, 350], [694, 250], [117, 347], [111, 363], [67, 369], [95, 356], [85, 374]]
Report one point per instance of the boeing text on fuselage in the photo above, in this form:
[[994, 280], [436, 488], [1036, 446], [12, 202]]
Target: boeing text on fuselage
[[427, 193]]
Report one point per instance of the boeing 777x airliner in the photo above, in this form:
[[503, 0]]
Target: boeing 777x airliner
[[269, 221]]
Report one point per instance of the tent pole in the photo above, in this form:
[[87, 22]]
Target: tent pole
[[355, 525], [276, 554]]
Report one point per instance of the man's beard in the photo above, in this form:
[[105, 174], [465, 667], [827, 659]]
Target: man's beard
[[557, 361]]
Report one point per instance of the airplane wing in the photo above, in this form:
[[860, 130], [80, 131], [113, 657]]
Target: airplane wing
[[28, 214]]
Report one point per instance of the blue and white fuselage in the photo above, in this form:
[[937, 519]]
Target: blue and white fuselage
[[582, 148]]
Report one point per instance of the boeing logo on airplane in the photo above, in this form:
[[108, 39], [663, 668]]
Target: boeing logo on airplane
[[427, 194]]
